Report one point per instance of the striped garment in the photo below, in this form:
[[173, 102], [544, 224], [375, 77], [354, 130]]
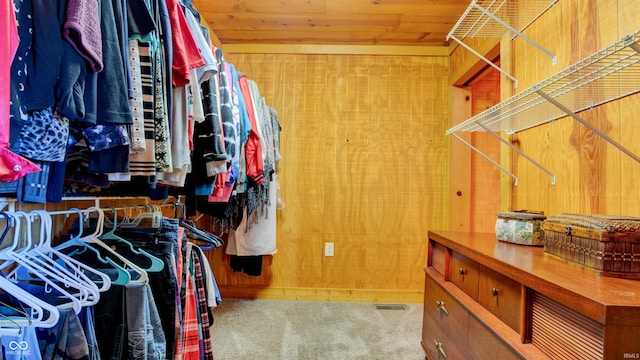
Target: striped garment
[[142, 163], [190, 346], [203, 309]]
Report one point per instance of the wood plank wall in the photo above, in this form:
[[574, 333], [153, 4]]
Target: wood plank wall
[[485, 182], [365, 166], [592, 175]]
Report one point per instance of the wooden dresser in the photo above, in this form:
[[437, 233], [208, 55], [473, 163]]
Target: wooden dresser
[[486, 299]]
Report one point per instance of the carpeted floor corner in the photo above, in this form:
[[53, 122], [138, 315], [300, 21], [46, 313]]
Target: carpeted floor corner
[[297, 330]]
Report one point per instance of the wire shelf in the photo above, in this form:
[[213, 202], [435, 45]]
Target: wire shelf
[[493, 18], [607, 75], [475, 22]]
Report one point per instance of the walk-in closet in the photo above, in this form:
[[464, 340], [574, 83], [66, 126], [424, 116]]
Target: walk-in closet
[[319, 179]]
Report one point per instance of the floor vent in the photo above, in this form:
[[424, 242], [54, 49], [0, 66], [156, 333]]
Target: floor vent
[[390, 307]]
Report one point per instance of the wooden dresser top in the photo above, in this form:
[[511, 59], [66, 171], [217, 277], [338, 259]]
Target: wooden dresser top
[[604, 299]]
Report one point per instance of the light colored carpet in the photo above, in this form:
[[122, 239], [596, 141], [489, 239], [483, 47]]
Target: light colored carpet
[[282, 329]]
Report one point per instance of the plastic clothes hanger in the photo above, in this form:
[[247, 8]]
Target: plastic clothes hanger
[[75, 247], [43, 270], [44, 274], [154, 263], [72, 275], [37, 313], [44, 249], [194, 232], [85, 290], [149, 217], [142, 276]]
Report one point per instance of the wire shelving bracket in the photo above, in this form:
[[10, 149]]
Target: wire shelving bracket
[[492, 18], [607, 75]]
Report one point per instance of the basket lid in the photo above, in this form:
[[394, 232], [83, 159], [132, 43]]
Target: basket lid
[[601, 222], [522, 215]]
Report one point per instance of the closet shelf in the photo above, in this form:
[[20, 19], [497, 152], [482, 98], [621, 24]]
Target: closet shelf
[[493, 18], [607, 75]]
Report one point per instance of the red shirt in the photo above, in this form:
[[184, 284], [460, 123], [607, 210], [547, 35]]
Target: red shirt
[[186, 55]]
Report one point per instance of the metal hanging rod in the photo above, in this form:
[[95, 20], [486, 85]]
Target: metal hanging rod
[[7, 204]]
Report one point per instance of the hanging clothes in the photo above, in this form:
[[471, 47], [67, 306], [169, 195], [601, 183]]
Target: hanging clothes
[[12, 166]]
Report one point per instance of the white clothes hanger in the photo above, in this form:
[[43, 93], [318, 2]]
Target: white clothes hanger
[[75, 246], [93, 239], [50, 277], [39, 312], [43, 250], [87, 291]]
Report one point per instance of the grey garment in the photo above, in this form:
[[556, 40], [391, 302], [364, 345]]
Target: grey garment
[[112, 86], [145, 335]]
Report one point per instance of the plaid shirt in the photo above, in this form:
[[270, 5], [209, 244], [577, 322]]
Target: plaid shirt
[[203, 309]]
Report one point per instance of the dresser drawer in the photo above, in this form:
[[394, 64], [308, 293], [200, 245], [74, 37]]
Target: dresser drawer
[[483, 344], [437, 257], [500, 295], [445, 323], [464, 274]]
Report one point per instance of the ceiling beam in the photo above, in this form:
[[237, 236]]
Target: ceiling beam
[[336, 49]]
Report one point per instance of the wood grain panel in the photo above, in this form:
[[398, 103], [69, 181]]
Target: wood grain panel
[[353, 36], [622, 341], [629, 168], [484, 342], [628, 21], [465, 66], [591, 174], [251, 21], [562, 333], [437, 7], [286, 7], [460, 169], [485, 181], [363, 156]]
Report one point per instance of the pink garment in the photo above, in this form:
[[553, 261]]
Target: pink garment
[[186, 55], [190, 329], [12, 166], [253, 149]]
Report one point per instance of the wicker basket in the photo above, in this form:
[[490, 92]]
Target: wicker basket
[[609, 244]]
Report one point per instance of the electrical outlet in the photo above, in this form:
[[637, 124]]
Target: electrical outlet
[[328, 249]]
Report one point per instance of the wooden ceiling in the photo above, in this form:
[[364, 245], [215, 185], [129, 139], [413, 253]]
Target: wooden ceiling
[[344, 22]]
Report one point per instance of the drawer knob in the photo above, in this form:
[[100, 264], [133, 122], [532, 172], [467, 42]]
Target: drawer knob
[[494, 292], [462, 271], [439, 348], [443, 309]]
